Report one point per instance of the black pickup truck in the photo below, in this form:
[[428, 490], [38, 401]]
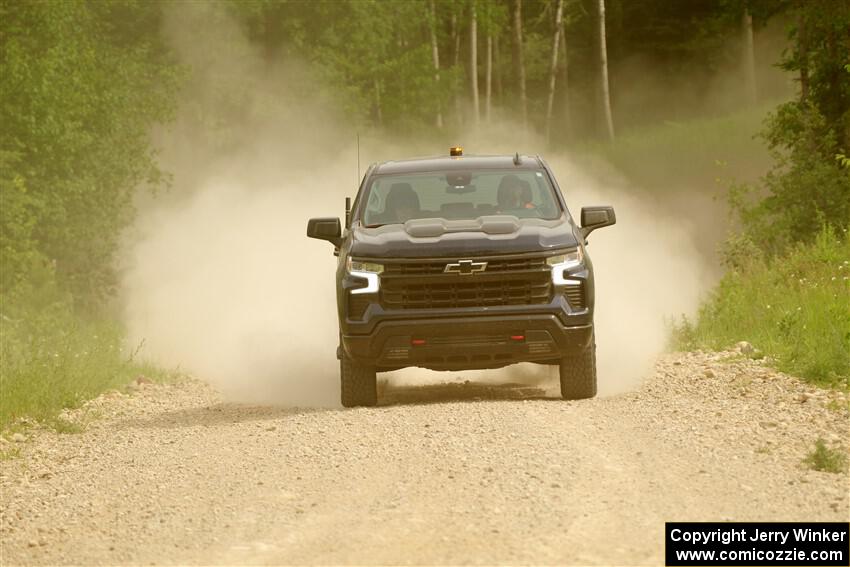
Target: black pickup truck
[[462, 262]]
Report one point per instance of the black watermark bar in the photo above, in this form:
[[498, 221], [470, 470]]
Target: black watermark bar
[[757, 543]]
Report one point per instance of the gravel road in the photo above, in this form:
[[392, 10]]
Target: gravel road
[[469, 473]]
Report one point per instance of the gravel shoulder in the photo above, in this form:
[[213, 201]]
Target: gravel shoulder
[[446, 474]]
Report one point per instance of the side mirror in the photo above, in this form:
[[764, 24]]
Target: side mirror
[[325, 228], [596, 217]]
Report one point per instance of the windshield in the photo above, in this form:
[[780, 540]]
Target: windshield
[[457, 195]]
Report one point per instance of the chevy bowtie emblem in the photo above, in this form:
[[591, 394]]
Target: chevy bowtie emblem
[[465, 267]]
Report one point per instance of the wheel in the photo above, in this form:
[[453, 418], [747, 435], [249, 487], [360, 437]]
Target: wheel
[[358, 385], [578, 374]]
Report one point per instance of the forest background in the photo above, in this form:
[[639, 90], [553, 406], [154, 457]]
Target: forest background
[[753, 93]]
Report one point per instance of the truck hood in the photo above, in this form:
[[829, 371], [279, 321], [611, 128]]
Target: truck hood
[[496, 234]]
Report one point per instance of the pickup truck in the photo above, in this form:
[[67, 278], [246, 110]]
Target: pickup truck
[[462, 262]]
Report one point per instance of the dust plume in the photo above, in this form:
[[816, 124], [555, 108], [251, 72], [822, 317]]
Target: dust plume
[[648, 269], [221, 281]]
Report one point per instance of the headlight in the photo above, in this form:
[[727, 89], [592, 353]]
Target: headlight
[[569, 259], [368, 271], [361, 266]]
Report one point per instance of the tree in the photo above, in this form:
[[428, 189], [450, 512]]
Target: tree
[[520, 63], [82, 85], [497, 64], [490, 21], [473, 62], [565, 88], [455, 37], [603, 72], [435, 54], [553, 66], [488, 80], [749, 60]]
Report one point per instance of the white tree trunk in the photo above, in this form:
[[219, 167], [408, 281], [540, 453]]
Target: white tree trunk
[[565, 87], [455, 36], [749, 57], [603, 59], [435, 55], [553, 68], [523, 102], [497, 71], [488, 86], [473, 63], [379, 117]]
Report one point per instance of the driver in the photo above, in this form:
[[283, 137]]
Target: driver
[[402, 203]]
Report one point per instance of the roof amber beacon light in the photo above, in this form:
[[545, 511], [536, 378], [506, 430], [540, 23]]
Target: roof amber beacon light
[[456, 151]]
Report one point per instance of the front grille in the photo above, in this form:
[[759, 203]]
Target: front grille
[[418, 284], [470, 341], [575, 296], [494, 266]]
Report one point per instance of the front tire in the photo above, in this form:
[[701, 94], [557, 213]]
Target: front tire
[[358, 384], [578, 374]]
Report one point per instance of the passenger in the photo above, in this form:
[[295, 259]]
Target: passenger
[[402, 203]]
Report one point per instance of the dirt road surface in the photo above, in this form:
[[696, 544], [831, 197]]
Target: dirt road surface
[[441, 474]]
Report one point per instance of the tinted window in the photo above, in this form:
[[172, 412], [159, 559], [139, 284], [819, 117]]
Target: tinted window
[[459, 195]]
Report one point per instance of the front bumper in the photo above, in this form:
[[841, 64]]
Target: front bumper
[[460, 343]]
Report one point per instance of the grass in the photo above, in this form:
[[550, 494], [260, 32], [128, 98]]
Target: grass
[[10, 454], [836, 406], [794, 309], [48, 364], [698, 155], [824, 459]]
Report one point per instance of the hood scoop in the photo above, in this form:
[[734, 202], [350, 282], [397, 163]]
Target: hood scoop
[[491, 224]]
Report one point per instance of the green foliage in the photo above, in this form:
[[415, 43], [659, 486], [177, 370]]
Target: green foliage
[[794, 308], [820, 53], [81, 85], [809, 184], [381, 48], [377, 56], [824, 459], [20, 258]]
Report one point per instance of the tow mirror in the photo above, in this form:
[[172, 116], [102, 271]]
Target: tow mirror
[[325, 228], [596, 217]]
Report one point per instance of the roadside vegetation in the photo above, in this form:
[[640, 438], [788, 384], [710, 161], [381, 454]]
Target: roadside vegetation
[[787, 288], [81, 86], [824, 459], [794, 308], [59, 363]]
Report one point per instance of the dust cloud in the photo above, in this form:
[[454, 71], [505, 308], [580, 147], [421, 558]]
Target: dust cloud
[[648, 269], [220, 280]]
